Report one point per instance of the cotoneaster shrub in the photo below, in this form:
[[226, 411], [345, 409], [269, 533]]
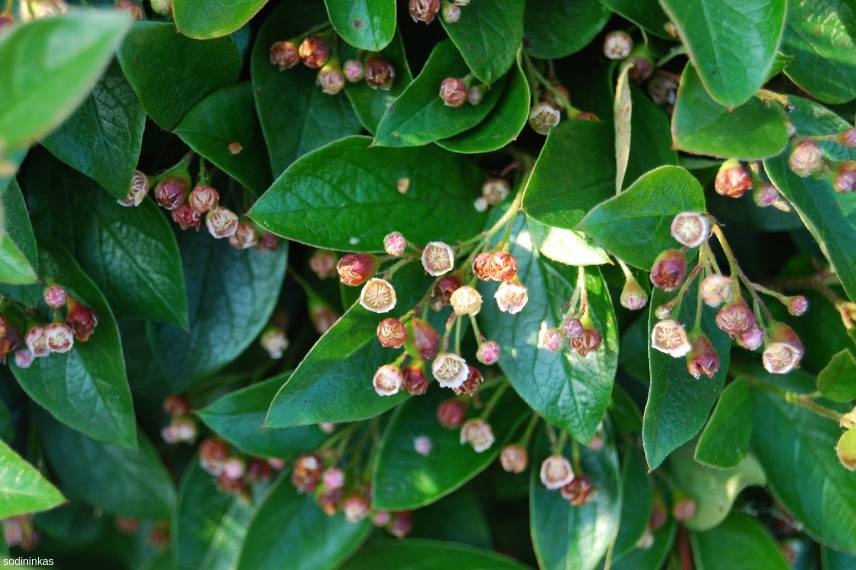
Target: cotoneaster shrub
[[446, 284]]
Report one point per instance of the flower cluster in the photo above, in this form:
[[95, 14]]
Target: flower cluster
[[557, 473], [182, 427], [425, 11], [455, 91], [577, 330], [235, 472]]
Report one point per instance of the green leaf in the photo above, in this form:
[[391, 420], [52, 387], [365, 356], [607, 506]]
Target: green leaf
[[645, 13], [700, 125], [556, 28], [837, 380], [365, 24], [459, 518], [213, 18], [403, 479], [733, 44], [678, 404], [565, 246], [652, 558], [289, 530], [18, 226], [502, 125], [345, 195], [210, 524], [14, 267], [172, 73], [22, 488], [102, 139], [635, 225], [333, 383], [636, 502], [797, 450], [419, 116], [85, 388], [221, 120], [40, 85], [573, 174], [725, 440], [739, 542], [834, 560], [418, 554], [713, 490], [651, 143], [127, 482], [566, 389], [569, 537], [306, 118], [238, 417], [819, 36], [231, 294]]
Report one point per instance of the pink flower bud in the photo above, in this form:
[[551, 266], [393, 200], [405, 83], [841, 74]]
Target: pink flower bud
[[176, 405], [423, 10], [81, 319], [334, 478], [401, 524], [353, 70], [276, 463], [845, 178], [691, 228], [511, 297], [451, 13], [495, 266], [702, 359], [514, 458], [221, 222], [323, 264], [556, 472], [450, 370], [783, 349], [717, 289], [478, 434], [139, 188], [684, 509], [751, 339], [284, 54], [380, 74], [475, 95], [552, 339], [425, 338], [387, 380], [381, 518], [245, 236], [579, 491], [617, 45], [544, 117], [24, 358], [806, 158], [438, 258], [314, 52], [329, 501], [394, 244], [356, 268], [732, 180], [465, 301], [572, 327], [669, 336], [170, 192], [186, 217], [495, 190], [735, 318], [203, 198], [663, 311], [415, 380], [307, 472], [213, 453], [259, 471], [356, 508], [633, 297], [588, 341], [669, 270], [451, 413], [453, 92], [378, 296], [55, 297], [422, 445], [274, 341], [472, 383], [234, 468], [797, 305], [268, 242], [331, 79], [765, 195], [488, 352], [391, 333], [847, 137]]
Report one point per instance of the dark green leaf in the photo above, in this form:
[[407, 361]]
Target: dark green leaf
[[102, 139], [556, 28], [733, 46], [651, 140], [172, 73], [213, 18], [653, 557], [700, 125], [365, 24], [725, 440], [415, 554], [22, 487], [635, 225], [86, 388], [289, 530], [239, 415], [834, 560], [231, 295], [345, 195], [14, 267], [645, 13], [837, 381], [41, 86], [295, 115], [636, 502], [419, 116], [18, 226], [739, 542], [458, 518]]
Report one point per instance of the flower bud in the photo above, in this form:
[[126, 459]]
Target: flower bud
[[184, 430], [556, 472], [137, 191], [514, 458], [422, 445], [846, 449], [354, 268], [186, 218], [735, 318], [381, 518], [511, 297], [356, 508], [717, 289], [307, 472], [353, 70], [391, 333], [633, 296], [221, 222], [81, 319], [572, 327], [203, 198], [783, 349], [24, 358], [442, 292], [387, 380], [323, 263], [495, 190], [176, 405], [589, 341], [552, 339], [259, 471], [438, 258], [423, 10], [283, 54], [544, 117], [765, 194], [415, 380], [488, 352], [451, 413], [847, 137], [669, 270], [276, 463], [845, 178], [450, 370], [401, 524], [478, 434], [378, 296], [751, 339], [453, 92], [732, 180], [314, 52], [669, 336], [451, 13], [333, 478], [329, 501], [465, 301], [394, 244], [690, 228], [806, 158], [663, 88], [579, 491], [380, 74], [162, 7], [245, 236], [234, 468], [643, 66], [702, 358], [170, 192], [424, 338], [617, 45], [213, 453], [797, 305], [495, 266], [268, 242], [684, 509], [475, 95], [274, 341], [472, 383], [55, 297], [331, 79]]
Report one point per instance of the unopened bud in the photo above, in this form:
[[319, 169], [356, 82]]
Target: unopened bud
[[702, 359], [732, 180], [691, 228], [451, 413], [751, 339], [259, 471], [137, 191], [453, 92], [847, 137], [394, 244], [488, 352], [633, 296], [284, 54], [24, 358], [765, 194], [643, 66], [806, 158], [735, 318], [354, 70], [391, 333], [186, 217], [213, 454], [176, 405], [55, 297], [846, 449], [552, 339], [451, 13], [274, 341], [478, 434], [170, 192], [81, 319], [314, 52], [717, 289], [617, 45], [845, 178], [333, 478], [668, 336], [797, 305], [423, 10], [783, 349], [466, 301], [514, 458], [495, 190], [438, 258], [684, 509], [401, 524], [423, 339], [511, 297], [378, 296], [267, 242], [355, 268], [669, 270], [221, 222], [544, 117], [556, 472], [203, 198], [356, 508], [380, 74], [331, 79], [450, 370], [572, 327], [443, 290], [422, 445], [415, 380]]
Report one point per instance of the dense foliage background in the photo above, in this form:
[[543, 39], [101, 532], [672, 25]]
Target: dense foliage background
[[261, 261]]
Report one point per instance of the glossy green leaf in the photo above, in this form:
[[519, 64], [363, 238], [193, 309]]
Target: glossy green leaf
[[653, 557], [419, 116], [636, 501], [14, 267], [333, 383], [502, 125], [344, 195], [40, 86], [459, 518], [171, 73], [573, 174], [289, 530], [365, 24], [575, 538], [739, 542], [834, 560], [127, 482], [645, 13], [725, 439], [635, 225], [306, 118], [210, 524], [570, 247], [418, 554], [22, 487], [651, 140], [819, 36], [221, 121], [556, 28], [700, 125], [17, 222], [678, 404], [102, 139], [231, 294], [238, 417], [732, 44], [837, 380], [213, 18], [566, 389], [85, 388], [403, 479]]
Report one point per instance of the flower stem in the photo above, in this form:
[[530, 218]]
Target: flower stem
[[494, 398]]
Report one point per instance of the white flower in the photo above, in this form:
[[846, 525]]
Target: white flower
[[378, 296], [511, 297], [669, 336], [556, 472], [450, 370], [387, 380], [478, 434], [438, 258]]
